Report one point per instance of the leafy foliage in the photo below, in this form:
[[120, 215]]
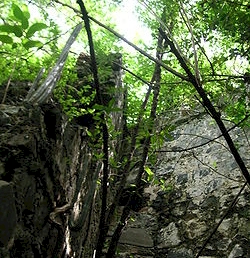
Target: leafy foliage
[[205, 43], [21, 38], [18, 25]]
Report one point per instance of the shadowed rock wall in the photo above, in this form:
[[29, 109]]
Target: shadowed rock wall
[[200, 184], [49, 166]]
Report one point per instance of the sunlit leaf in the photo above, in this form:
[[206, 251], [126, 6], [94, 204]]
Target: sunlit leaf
[[11, 29], [18, 13], [26, 12], [149, 172], [34, 28], [32, 43], [21, 16], [6, 39], [89, 133]]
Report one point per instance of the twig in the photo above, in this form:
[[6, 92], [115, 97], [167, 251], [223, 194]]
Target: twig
[[214, 170], [163, 26], [209, 140], [133, 74], [9, 80], [180, 149]]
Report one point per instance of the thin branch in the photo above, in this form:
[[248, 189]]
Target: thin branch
[[138, 181], [205, 54], [9, 80], [31, 52], [214, 170], [105, 135], [209, 140], [125, 173], [219, 80], [229, 76], [180, 149], [181, 76], [210, 107], [169, 69], [134, 75], [163, 26]]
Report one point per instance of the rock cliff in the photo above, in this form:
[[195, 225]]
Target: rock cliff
[[200, 180]]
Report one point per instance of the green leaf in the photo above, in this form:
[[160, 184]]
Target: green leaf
[[6, 28], [89, 133], [18, 13], [12, 29], [169, 187], [214, 164], [17, 31], [149, 172], [98, 107], [34, 28], [21, 16], [25, 23], [32, 43], [6, 39], [26, 12]]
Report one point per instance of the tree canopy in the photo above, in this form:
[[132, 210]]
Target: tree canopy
[[212, 37], [196, 61]]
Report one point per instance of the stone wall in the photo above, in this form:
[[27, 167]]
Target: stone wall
[[44, 162], [198, 186], [49, 168]]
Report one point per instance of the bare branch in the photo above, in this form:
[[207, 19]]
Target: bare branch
[[163, 26], [138, 181], [209, 140], [214, 170], [134, 75]]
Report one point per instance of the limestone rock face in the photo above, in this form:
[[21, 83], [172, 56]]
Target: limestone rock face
[[169, 236], [49, 197], [8, 217], [199, 185], [137, 237]]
